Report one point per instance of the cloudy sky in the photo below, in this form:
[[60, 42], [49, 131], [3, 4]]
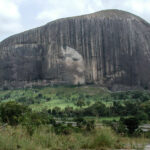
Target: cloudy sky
[[20, 15]]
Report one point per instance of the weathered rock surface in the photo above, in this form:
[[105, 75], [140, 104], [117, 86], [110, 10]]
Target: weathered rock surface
[[109, 48]]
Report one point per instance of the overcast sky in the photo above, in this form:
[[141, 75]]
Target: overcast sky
[[20, 15]]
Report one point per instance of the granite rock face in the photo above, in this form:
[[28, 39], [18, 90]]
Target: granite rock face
[[109, 48]]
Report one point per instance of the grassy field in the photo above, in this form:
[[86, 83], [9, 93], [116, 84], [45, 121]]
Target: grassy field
[[53, 103], [50, 97], [44, 139], [66, 96], [101, 119]]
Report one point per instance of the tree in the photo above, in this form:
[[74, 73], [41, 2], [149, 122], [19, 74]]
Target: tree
[[88, 103], [68, 111], [81, 122], [56, 111], [132, 124], [13, 113], [142, 116], [62, 129], [80, 103], [118, 108], [90, 125], [146, 108], [131, 108]]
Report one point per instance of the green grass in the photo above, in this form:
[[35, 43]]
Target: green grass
[[63, 96], [44, 139], [50, 97], [101, 119], [57, 103], [51, 104]]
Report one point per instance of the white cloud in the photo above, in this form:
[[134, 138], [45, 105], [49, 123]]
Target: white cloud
[[55, 9], [66, 8], [19, 15], [8, 10], [11, 27], [9, 18], [140, 7], [137, 6], [53, 14]]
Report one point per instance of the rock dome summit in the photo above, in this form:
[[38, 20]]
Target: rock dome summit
[[109, 48]]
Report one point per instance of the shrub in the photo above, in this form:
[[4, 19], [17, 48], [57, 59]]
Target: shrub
[[80, 103], [147, 134], [90, 125], [132, 124], [142, 116], [105, 138], [121, 128], [81, 122], [34, 119], [62, 129], [13, 113]]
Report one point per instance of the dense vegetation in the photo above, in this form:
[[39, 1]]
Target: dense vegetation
[[53, 113]]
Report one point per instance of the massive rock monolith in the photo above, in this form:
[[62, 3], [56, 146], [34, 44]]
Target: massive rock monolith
[[109, 48]]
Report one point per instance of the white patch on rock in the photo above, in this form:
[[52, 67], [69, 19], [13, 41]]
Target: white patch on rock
[[74, 60]]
